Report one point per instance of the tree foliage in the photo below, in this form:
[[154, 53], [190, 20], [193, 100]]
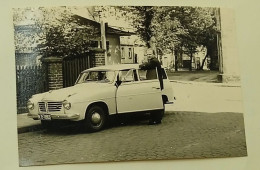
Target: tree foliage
[[184, 29], [57, 32], [175, 28]]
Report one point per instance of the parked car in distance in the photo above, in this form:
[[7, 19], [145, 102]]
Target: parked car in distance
[[103, 91]]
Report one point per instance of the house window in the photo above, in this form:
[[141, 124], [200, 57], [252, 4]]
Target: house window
[[122, 53], [130, 53], [107, 43]]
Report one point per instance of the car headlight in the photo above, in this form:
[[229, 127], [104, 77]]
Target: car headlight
[[66, 104], [30, 105]]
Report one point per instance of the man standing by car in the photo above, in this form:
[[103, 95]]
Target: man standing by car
[[152, 61], [153, 64]]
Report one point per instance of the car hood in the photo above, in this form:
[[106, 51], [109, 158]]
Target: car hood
[[65, 93]]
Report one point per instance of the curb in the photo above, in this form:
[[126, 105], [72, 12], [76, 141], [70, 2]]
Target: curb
[[204, 83], [25, 124]]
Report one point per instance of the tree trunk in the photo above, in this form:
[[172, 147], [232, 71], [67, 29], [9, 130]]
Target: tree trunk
[[176, 60], [191, 57], [181, 57], [203, 62]]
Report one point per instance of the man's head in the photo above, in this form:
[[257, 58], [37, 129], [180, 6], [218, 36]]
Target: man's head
[[149, 54], [150, 57]]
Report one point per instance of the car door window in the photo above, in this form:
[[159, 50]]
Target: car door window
[[128, 75]]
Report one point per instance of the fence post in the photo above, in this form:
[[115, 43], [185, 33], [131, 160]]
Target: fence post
[[98, 57], [54, 72]]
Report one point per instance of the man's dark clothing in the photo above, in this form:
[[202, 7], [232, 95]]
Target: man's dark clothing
[[152, 64]]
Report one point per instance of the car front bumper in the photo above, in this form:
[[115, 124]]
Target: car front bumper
[[56, 116]]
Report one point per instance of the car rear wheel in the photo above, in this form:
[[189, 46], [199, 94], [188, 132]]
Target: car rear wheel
[[163, 111], [95, 119], [156, 116]]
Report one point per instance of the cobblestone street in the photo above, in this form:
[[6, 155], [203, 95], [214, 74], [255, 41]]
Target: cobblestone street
[[181, 135]]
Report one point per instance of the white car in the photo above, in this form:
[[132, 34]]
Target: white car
[[103, 91]]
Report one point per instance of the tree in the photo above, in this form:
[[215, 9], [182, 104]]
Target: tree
[[167, 28], [141, 18], [188, 27], [175, 28], [58, 33]]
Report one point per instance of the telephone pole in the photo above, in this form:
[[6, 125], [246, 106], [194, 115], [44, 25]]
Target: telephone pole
[[103, 39], [103, 35]]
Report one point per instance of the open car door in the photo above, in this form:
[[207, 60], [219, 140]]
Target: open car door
[[139, 91]]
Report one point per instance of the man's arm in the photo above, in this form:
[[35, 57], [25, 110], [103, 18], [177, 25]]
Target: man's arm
[[148, 65], [145, 66]]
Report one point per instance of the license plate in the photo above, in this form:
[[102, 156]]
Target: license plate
[[45, 117]]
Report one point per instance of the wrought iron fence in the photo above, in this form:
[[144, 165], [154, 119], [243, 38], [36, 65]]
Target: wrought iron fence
[[30, 80]]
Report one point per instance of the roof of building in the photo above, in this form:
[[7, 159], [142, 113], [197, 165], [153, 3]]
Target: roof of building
[[110, 30]]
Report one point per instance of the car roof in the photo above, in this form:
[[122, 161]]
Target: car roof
[[113, 67]]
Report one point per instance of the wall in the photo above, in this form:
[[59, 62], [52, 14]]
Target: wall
[[55, 76], [114, 53], [127, 54], [113, 49], [167, 61], [54, 72], [140, 52], [99, 59], [229, 57]]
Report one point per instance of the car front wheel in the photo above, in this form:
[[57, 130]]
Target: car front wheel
[[95, 119]]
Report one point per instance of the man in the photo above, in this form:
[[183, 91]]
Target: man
[[153, 64]]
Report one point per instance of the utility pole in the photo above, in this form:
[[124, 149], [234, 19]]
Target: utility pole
[[103, 39], [103, 35], [219, 45]]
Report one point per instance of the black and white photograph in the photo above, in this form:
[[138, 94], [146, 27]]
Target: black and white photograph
[[127, 83]]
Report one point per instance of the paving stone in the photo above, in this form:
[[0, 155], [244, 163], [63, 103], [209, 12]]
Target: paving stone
[[181, 135]]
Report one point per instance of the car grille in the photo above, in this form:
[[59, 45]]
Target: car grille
[[50, 106]]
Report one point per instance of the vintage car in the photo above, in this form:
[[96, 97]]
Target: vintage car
[[103, 91]]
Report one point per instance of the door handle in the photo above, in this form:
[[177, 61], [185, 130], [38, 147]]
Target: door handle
[[156, 87]]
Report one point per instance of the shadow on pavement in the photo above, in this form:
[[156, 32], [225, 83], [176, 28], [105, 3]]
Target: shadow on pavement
[[68, 127]]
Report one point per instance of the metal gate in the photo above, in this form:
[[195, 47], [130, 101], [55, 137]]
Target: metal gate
[[72, 66], [30, 80]]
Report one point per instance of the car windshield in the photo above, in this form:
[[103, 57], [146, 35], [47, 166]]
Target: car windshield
[[96, 76]]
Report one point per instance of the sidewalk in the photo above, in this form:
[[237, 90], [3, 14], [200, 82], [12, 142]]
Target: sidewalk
[[195, 76], [25, 124], [205, 77], [206, 83]]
